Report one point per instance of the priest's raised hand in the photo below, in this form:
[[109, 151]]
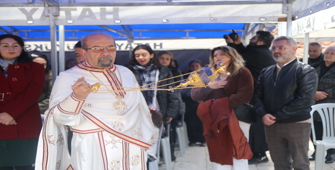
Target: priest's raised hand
[[81, 88]]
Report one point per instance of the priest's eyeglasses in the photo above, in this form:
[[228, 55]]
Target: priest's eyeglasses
[[101, 49]]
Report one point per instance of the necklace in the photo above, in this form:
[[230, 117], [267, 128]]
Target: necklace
[[119, 105]]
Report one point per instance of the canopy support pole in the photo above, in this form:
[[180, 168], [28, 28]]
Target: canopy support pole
[[61, 48], [51, 10], [289, 20], [287, 9], [53, 51], [245, 33], [306, 44], [130, 42]]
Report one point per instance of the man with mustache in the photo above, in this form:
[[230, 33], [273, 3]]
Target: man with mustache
[[283, 96], [111, 124]]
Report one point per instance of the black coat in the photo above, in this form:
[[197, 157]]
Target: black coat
[[326, 84], [256, 58], [191, 105], [177, 79], [288, 97]]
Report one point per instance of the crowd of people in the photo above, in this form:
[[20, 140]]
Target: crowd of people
[[101, 115]]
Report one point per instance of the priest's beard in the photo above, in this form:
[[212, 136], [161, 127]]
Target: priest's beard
[[105, 64]]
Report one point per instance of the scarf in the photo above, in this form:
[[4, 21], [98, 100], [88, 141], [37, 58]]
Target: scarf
[[5, 63], [147, 76]]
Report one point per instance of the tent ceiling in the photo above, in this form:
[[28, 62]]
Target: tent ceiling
[[135, 2], [137, 19], [147, 19], [135, 32]]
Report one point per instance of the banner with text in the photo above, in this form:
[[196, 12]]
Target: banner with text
[[318, 21], [124, 46]]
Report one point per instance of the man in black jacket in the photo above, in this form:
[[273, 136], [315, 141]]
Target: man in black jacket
[[283, 98], [257, 56], [314, 53]]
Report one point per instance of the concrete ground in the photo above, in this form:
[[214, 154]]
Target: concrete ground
[[197, 158]]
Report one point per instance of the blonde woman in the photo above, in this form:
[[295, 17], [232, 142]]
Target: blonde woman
[[236, 89]]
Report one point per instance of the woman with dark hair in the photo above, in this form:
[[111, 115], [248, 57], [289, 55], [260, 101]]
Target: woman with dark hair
[[43, 101], [20, 121], [226, 137], [150, 74]]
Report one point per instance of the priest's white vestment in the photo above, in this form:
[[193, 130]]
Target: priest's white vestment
[[112, 128]]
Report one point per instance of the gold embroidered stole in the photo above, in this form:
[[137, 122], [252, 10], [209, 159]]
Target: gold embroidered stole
[[110, 75]]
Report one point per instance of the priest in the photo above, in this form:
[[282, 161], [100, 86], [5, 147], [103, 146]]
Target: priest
[[100, 103]]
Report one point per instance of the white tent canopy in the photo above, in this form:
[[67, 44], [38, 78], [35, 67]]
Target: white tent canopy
[[133, 20], [142, 19], [120, 16]]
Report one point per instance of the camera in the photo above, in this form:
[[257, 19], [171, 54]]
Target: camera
[[232, 35]]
